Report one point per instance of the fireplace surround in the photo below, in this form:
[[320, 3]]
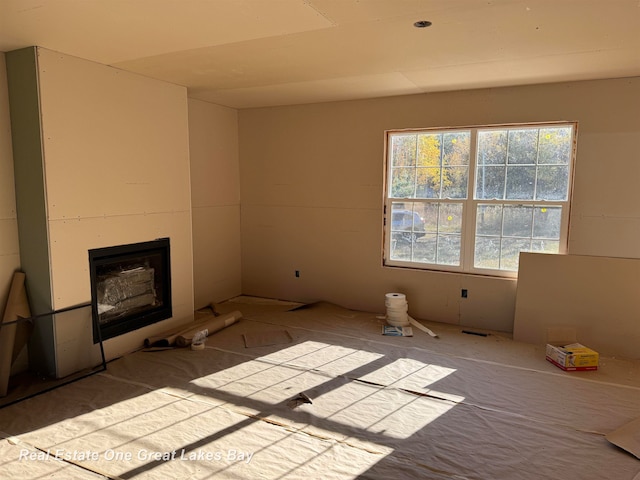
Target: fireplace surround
[[82, 185], [130, 287]]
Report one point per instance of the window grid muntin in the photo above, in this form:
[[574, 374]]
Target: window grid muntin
[[531, 239], [438, 233], [393, 166], [569, 127]]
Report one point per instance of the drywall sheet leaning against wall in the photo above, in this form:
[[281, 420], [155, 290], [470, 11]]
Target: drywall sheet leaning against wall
[[596, 296]]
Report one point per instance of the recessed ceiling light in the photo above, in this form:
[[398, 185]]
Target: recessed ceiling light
[[422, 24]]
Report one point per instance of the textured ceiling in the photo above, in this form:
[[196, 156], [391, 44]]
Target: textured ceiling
[[250, 53]]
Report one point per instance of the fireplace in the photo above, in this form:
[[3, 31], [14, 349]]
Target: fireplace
[[130, 287]]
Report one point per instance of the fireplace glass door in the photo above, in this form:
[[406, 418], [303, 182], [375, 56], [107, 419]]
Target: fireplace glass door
[[130, 287]]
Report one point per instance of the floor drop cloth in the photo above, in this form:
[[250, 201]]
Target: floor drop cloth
[[457, 407]]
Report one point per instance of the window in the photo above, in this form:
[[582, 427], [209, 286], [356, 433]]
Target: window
[[471, 199]]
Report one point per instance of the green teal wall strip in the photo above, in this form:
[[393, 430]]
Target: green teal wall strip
[[26, 135]]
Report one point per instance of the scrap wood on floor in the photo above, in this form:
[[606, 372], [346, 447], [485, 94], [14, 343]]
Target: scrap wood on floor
[[379, 407]]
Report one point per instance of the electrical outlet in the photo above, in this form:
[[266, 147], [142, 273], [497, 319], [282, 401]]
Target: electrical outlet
[[463, 293]]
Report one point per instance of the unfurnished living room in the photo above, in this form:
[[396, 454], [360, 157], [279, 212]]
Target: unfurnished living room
[[342, 239]]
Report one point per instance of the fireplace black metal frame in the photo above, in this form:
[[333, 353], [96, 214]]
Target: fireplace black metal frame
[[101, 257]]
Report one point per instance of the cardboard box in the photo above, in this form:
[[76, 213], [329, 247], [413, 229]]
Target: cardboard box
[[572, 357]]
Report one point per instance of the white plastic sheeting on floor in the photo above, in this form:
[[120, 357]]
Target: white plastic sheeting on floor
[[457, 407]]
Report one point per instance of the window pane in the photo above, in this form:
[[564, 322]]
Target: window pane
[[545, 246], [448, 249], [426, 232], [553, 182], [430, 216], [429, 150], [456, 148], [428, 182], [555, 145], [407, 228], [402, 182], [520, 181], [503, 231], [490, 182], [424, 249], [400, 248], [401, 222], [510, 254], [487, 252], [404, 218], [417, 165], [489, 220], [518, 221], [546, 222], [454, 182], [403, 150], [523, 146], [492, 147], [450, 218]]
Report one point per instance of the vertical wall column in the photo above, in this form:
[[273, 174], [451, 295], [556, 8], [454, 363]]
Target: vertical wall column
[[31, 205]]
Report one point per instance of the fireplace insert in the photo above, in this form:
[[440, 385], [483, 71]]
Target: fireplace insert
[[130, 287]]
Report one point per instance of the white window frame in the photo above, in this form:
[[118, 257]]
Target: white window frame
[[470, 204]]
